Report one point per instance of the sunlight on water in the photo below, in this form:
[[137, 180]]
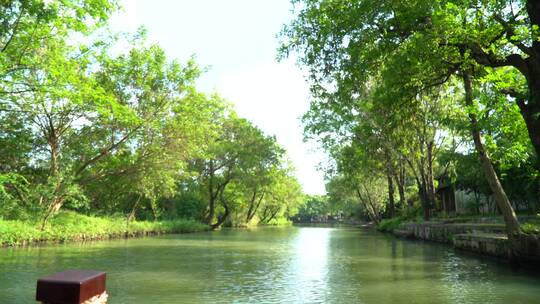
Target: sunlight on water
[[310, 266], [274, 265]]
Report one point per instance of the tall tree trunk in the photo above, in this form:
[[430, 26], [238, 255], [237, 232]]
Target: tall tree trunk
[[420, 183], [424, 200], [512, 224], [399, 177], [529, 107], [223, 217], [254, 206], [55, 155], [211, 195], [57, 201], [273, 215], [391, 208], [477, 201], [53, 207], [265, 214], [366, 201], [251, 205], [424, 191], [401, 191], [430, 184], [211, 210], [131, 215]]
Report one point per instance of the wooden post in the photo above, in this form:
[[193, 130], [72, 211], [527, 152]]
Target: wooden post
[[72, 287]]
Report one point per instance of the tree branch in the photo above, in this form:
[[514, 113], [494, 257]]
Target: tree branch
[[509, 30]]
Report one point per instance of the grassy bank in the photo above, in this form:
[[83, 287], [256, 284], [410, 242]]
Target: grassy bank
[[74, 227]]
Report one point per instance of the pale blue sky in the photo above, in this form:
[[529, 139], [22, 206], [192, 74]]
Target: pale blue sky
[[237, 40]]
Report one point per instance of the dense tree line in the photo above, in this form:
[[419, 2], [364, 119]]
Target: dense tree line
[[405, 92], [86, 128]]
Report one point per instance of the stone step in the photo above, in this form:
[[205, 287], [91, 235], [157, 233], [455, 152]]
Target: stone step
[[404, 233], [444, 232], [458, 228], [494, 244], [481, 227]]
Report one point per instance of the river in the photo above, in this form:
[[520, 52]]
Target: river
[[274, 265]]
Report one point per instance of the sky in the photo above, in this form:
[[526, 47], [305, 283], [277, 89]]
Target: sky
[[237, 41]]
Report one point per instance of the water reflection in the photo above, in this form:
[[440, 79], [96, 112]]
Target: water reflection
[[293, 265]]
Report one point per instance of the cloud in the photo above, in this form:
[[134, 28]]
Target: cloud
[[274, 96]]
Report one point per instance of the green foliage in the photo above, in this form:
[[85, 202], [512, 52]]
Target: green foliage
[[283, 199], [531, 228], [11, 186], [188, 205], [279, 222], [413, 213], [314, 207], [389, 225], [243, 175]]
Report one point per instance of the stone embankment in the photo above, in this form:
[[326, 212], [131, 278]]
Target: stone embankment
[[483, 238]]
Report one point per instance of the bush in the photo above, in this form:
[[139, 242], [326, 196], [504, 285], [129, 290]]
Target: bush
[[413, 213], [531, 228], [388, 225], [189, 205]]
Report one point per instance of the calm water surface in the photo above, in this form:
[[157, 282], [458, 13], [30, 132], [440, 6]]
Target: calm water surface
[[274, 265]]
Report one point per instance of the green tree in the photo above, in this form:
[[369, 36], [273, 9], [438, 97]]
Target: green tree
[[284, 197], [30, 28], [414, 46], [236, 158]]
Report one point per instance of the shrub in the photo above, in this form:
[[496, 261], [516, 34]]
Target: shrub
[[388, 225], [531, 228]]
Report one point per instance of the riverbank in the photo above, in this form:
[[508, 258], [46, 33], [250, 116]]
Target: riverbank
[[486, 236], [74, 227]]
